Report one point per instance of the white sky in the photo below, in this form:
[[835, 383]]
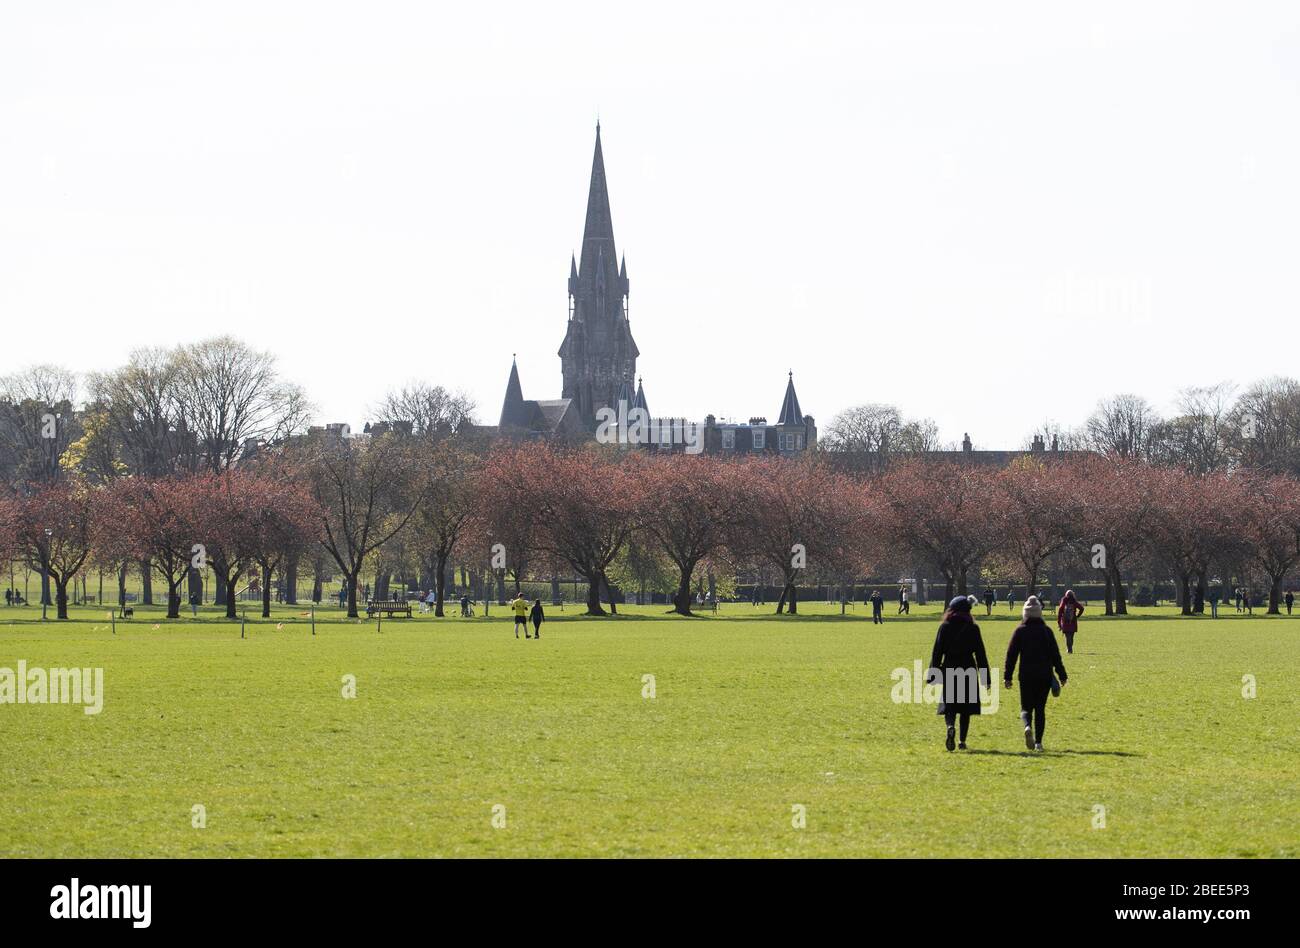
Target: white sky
[[988, 214]]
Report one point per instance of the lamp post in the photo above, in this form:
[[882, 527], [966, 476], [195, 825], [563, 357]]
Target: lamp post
[[49, 534]]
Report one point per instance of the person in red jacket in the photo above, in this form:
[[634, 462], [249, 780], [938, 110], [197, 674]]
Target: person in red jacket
[[1067, 618]]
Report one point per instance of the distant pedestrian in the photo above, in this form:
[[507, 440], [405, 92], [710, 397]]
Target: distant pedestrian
[[902, 600], [464, 605], [1011, 599], [1067, 617], [990, 597], [1238, 593], [1215, 595], [1289, 599], [194, 604], [520, 606], [877, 608], [1245, 601], [538, 618], [1033, 644], [961, 664]]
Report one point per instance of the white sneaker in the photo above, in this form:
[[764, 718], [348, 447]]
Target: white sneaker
[[1038, 747], [1029, 737]]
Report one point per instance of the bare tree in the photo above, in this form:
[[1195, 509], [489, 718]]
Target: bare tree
[[429, 410], [1197, 439], [232, 395], [37, 423], [141, 406], [367, 490], [1263, 431], [1122, 426]]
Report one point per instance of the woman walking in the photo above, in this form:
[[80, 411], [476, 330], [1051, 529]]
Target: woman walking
[[1034, 645], [1067, 617], [538, 617], [960, 660]]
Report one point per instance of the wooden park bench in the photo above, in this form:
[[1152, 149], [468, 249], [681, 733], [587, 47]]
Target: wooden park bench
[[389, 607]]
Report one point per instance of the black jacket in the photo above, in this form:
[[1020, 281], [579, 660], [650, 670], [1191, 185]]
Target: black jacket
[[959, 647], [536, 614], [1034, 645]]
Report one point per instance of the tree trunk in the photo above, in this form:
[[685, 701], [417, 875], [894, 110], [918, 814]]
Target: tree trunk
[[1275, 595], [593, 597], [794, 600], [146, 584], [291, 581], [231, 583], [121, 586], [439, 583], [1110, 586], [266, 591], [222, 594], [682, 601], [318, 579], [174, 598], [1121, 596], [1185, 589], [61, 598], [351, 580]]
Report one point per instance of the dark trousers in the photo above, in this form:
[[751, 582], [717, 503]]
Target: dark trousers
[[537, 627], [951, 718], [877, 615], [1069, 641], [1033, 704]]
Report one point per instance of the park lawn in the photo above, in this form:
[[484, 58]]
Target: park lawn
[[753, 714]]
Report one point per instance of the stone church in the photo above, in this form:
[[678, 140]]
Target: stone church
[[598, 356]]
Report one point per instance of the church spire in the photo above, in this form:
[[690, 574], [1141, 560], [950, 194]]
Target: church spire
[[599, 260]]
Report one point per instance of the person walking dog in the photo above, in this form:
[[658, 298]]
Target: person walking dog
[[1034, 645], [1067, 617], [959, 660]]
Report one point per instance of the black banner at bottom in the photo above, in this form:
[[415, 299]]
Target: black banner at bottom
[[335, 897]]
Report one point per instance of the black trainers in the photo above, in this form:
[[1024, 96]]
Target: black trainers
[[950, 743], [961, 746]]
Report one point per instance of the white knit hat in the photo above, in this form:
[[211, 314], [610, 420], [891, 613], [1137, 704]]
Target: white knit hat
[[1033, 609]]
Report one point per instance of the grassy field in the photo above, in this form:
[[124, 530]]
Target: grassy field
[[752, 715]]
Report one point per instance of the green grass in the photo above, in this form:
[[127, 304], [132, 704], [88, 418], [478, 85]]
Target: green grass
[[753, 714]]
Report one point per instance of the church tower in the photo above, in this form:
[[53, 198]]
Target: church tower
[[598, 356]]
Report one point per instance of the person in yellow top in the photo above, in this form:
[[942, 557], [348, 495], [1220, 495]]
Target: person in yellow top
[[520, 605]]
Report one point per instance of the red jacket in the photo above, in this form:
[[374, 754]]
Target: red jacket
[[1067, 614]]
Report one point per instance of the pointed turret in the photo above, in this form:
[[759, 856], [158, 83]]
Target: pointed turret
[[573, 274], [514, 413], [640, 398], [626, 398], [622, 276], [790, 413]]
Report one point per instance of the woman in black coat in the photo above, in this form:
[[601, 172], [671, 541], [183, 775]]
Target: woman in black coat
[[960, 662], [1034, 645]]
